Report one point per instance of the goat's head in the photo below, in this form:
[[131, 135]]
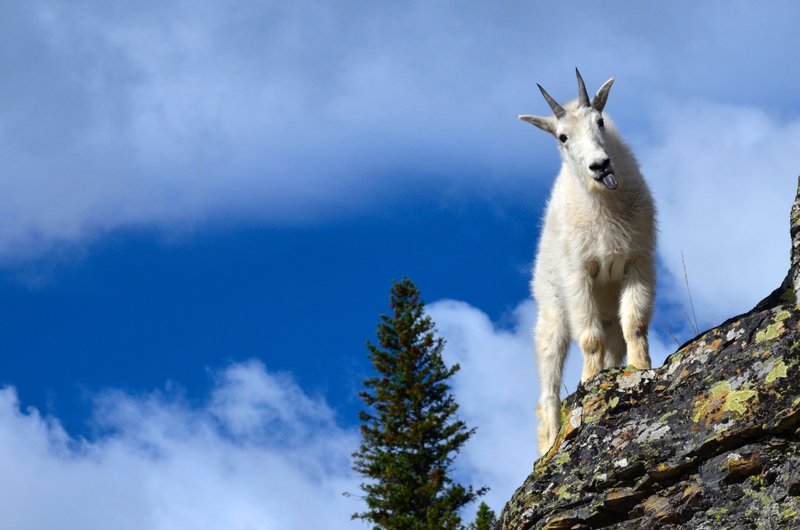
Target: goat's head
[[579, 128]]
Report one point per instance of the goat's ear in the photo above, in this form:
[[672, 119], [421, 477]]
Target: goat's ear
[[546, 124], [599, 100]]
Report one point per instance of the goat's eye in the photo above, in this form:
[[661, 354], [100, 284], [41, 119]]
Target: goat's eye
[[563, 138], [601, 123]]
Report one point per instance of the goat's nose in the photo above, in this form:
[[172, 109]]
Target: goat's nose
[[601, 165]]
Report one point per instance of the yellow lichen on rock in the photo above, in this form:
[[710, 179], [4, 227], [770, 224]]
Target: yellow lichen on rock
[[772, 332], [779, 370], [719, 400]]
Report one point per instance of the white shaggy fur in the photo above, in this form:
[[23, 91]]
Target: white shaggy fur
[[594, 276]]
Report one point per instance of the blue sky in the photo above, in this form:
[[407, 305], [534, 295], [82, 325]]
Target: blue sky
[[203, 205]]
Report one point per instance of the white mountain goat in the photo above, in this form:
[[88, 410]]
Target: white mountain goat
[[594, 276]]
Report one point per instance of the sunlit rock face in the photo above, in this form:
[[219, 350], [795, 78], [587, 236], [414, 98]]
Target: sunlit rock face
[[709, 440]]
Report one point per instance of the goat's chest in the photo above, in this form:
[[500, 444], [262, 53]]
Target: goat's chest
[[603, 247], [607, 269]]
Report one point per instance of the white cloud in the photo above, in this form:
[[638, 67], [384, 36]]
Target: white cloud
[[261, 454], [724, 178], [496, 390], [172, 113]]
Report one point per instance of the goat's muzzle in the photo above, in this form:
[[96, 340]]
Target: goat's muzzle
[[603, 172]]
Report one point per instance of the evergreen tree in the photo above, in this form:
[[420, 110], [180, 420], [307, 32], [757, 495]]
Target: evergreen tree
[[485, 519], [411, 434]]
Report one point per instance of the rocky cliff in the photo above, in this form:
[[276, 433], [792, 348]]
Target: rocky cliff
[[710, 440]]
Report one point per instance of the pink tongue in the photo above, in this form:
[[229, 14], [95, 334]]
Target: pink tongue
[[609, 181]]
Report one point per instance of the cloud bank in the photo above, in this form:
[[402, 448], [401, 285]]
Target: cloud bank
[[724, 178], [496, 391], [171, 113], [260, 453]]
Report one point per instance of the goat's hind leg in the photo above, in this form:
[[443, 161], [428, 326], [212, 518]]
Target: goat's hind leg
[[615, 345], [552, 341], [636, 308]]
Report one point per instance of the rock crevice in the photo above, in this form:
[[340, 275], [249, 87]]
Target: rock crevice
[[708, 440]]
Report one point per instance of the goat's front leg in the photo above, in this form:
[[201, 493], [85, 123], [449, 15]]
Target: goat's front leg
[[585, 319], [552, 341], [636, 309]]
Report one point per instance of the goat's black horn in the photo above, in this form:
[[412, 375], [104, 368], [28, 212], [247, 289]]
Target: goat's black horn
[[583, 96], [558, 110]]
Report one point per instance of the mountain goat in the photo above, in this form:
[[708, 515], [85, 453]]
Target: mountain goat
[[594, 275]]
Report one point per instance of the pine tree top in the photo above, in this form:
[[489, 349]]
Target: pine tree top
[[410, 432], [485, 519]]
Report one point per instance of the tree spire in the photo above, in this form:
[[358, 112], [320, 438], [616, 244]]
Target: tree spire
[[410, 431]]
